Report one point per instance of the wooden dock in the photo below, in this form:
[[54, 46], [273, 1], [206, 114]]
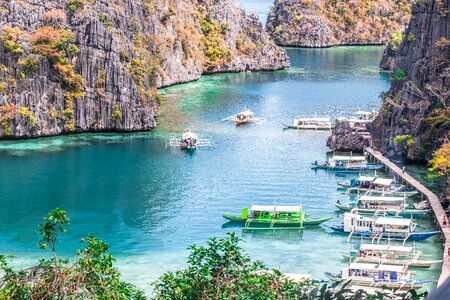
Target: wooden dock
[[432, 198]]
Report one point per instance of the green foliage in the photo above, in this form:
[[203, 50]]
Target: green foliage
[[405, 139], [440, 163], [3, 86], [396, 39], [398, 75], [116, 116], [90, 275], [29, 64], [10, 39], [410, 37], [216, 50], [27, 114]]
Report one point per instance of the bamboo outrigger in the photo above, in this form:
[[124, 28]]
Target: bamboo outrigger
[[311, 124], [376, 185], [190, 141], [347, 163], [274, 218]]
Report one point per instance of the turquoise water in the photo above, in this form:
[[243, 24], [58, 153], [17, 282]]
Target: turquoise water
[[258, 7], [150, 202]]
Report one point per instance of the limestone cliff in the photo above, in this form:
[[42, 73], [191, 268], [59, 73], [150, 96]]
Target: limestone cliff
[[324, 23], [414, 116], [94, 65]]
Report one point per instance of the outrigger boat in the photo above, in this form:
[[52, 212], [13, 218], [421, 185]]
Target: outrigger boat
[[389, 254], [243, 117], [311, 124], [190, 141], [376, 185], [376, 205], [275, 217], [344, 163], [378, 228], [377, 275]]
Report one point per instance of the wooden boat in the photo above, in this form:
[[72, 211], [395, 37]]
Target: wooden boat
[[382, 206], [389, 254], [377, 275], [347, 163], [311, 124], [274, 217], [246, 116], [376, 185], [190, 141], [378, 228]]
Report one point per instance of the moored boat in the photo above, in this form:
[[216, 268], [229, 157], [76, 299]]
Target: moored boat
[[311, 124], [376, 185], [190, 141], [382, 205], [389, 254], [246, 116], [381, 228], [274, 217], [377, 275], [347, 163]]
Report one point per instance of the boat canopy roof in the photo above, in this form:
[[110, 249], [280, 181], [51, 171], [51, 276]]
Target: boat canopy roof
[[385, 248], [391, 268], [366, 178], [365, 113], [383, 181], [246, 112], [381, 199], [273, 208], [314, 119], [358, 121], [362, 266], [349, 158], [393, 221], [189, 135]]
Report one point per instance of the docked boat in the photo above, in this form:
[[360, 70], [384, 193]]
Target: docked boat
[[377, 275], [382, 206], [274, 217], [381, 228], [190, 141], [311, 124], [389, 254], [376, 185], [347, 163], [243, 117]]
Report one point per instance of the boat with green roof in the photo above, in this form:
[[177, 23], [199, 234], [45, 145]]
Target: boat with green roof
[[274, 217]]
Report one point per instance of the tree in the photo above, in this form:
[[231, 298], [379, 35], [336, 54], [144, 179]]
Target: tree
[[91, 275], [440, 163]]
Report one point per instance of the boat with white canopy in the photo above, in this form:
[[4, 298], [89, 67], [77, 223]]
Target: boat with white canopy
[[311, 124], [376, 185], [389, 254], [377, 275], [246, 116], [381, 228], [347, 163], [382, 205], [190, 141]]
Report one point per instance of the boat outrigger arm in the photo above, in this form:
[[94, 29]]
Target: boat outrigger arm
[[288, 210]]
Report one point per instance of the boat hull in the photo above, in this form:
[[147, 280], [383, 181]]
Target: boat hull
[[416, 264], [347, 169], [405, 213], [306, 221], [415, 236], [402, 284], [356, 190], [303, 127]]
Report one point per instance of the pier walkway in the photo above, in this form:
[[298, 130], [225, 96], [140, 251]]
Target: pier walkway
[[432, 198]]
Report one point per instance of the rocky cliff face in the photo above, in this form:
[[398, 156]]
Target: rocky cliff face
[[346, 138], [414, 116], [324, 23], [94, 65]]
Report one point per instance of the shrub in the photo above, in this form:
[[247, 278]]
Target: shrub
[[90, 275], [28, 115], [10, 39], [398, 75], [29, 64], [396, 39], [216, 51], [56, 17], [116, 116], [3, 86], [410, 37], [405, 139], [440, 163]]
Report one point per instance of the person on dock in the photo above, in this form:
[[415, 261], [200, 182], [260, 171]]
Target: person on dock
[[444, 221], [403, 169]]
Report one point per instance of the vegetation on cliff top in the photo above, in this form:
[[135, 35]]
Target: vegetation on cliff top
[[326, 23]]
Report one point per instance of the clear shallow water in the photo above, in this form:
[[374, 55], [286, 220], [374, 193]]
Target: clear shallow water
[[150, 202]]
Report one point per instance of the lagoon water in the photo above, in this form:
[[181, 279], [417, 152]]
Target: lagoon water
[[150, 202]]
